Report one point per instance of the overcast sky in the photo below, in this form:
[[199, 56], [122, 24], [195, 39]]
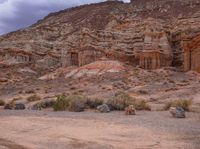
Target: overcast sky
[[15, 14]]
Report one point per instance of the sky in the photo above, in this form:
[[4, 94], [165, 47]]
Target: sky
[[16, 14]]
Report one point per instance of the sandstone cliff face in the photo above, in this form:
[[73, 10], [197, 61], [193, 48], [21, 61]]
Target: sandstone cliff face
[[149, 34]]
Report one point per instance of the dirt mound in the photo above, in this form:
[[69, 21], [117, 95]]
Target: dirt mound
[[95, 68]]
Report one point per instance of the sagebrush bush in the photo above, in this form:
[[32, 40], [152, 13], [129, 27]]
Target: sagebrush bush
[[2, 103], [44, 104], [120, 101], [184, 103], [61, 103], [142, 105], [75, 103], [94, 103], [12, 102], [16, 99], [10, 105], [34, 97]]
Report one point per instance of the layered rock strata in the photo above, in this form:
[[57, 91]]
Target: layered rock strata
[[148, 34]]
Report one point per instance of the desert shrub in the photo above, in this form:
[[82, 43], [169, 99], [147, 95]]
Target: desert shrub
[[47, 104], [61, 103], [12, 102], [10, 105], [17, 98], [34, 97], [120, 101], [94, 103], [142, 105], [2, 103], [43, 105], [75, 103], [184, 103]]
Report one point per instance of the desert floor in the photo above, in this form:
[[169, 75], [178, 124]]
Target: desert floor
[[91, 130]]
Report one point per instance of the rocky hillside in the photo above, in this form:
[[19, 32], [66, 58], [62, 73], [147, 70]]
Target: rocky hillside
[[141, 48], [150, 34], [147, 34]]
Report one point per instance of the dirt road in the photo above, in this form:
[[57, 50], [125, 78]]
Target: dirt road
[[90, 130]]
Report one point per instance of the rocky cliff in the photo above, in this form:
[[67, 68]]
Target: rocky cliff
[[150, 34]]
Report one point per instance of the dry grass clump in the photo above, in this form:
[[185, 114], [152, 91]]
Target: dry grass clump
[[10, 105], [17, 98], [75, 103], [2, 103], [94, 103], [142, 105], [43, 105], [33, 98], [78, 103], [121, 100], [184, 103], [61, 103], [12, 102]]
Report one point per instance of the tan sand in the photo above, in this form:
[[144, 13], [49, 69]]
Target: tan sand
[[89, 130]]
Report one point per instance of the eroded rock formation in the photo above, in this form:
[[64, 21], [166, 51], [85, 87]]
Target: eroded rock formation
[[149, 34], [192, 54]]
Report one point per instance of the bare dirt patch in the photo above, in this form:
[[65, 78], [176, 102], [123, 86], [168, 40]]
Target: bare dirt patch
[[88, 130]]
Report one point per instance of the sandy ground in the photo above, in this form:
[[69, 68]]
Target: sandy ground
[[90, 130]]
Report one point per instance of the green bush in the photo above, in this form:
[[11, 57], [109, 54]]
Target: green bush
[[75, 103], [61, 103], [2, 103], [184, 103], [33, 98]]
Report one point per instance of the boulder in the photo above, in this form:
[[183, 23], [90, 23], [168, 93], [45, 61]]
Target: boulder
[[130, 110], [177, 112], [103, 108], [20, 106], [8, 107]]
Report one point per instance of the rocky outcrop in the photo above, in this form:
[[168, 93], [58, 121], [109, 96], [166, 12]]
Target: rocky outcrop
[[20, 106], [8, 107], [192, 54], [147, 34], [177, 112], [103, 108]]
